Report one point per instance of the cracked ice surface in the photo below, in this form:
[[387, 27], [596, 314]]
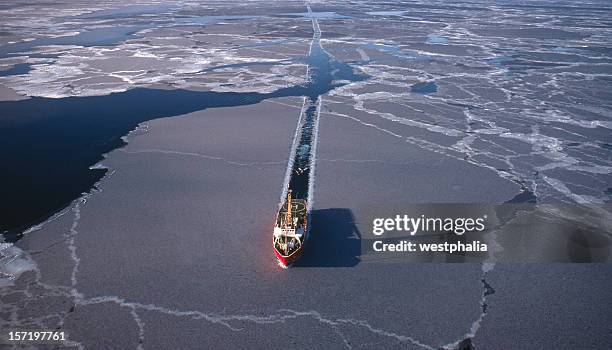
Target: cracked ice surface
[[188, 258], [527, 99], [87, 51]]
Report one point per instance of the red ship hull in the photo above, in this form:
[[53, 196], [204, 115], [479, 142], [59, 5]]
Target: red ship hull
[[288, 260], [290, 230]]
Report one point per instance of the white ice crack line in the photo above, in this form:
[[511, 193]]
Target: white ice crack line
[[198, 155]]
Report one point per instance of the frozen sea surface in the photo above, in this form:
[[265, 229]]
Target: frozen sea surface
[[172, 246]]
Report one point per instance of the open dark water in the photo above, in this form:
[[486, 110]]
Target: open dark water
[[424, 88], [302, 164], [103, 36], [48, 145], [18, 69]]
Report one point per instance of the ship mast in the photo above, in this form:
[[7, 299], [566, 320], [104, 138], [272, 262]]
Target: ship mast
[[288, 218], [289, 221]]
